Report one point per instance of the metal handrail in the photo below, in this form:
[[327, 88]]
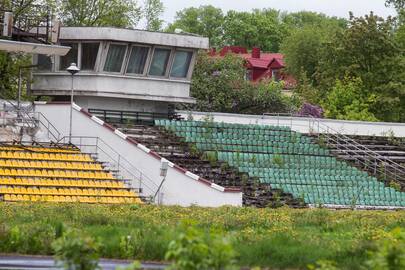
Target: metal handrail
[[350, 143], [35, 120], [121, 164], [48, 125]]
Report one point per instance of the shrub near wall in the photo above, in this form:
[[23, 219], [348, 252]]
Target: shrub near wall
[[260, 237]]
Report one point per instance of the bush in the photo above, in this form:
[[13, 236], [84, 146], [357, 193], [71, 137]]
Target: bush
[[76, 252], [390, 253], [194, 250]]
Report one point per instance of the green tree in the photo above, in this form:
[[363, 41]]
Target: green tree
[[367, 49], [152, 11], [219, 85], [205, 21], [303, 19], [119, 13], [348, 100], [399, 5], [261, 28], [301, 50], [217, 82]]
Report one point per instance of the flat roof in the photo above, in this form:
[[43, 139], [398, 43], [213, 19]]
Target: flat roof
[[34, 48], [134, 36]]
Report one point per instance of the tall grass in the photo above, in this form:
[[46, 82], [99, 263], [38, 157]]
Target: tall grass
[[280, 238]]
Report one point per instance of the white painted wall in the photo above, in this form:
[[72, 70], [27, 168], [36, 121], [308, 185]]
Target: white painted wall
[[108, 85], [121, 104], [305, 125], [179, 189]]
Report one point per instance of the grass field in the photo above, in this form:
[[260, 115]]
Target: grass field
[[277, 238]]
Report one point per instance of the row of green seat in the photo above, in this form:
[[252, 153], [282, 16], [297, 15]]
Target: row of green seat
[[165, 122], [288, 161]]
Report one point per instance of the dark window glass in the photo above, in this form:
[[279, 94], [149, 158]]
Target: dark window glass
[[137, 60], [70, 57], [181, 64], [115, 57], [44, 62], [159, 62], [89, 55]]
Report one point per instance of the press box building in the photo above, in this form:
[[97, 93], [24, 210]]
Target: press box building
[[121, 69]]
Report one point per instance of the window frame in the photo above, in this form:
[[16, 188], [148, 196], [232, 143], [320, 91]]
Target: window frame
[[124, 60], [147, 62], [190, 67], [80, 53], [58, 59], [169, 62], [35, 61]]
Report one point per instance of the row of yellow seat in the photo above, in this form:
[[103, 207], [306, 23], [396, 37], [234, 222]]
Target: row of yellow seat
[[67, 191], [62, 182], [40, 149], [56, 173], [76, 156], [50, 164], [81, 199]]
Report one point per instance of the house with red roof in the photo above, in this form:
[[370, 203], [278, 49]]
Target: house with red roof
[[260, 65]]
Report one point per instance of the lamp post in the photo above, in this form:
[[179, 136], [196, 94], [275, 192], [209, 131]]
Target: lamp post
[[73, 69]]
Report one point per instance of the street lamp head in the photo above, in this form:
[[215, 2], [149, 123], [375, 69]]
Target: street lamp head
[[73, 69]]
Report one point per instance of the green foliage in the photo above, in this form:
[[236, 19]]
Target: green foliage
[[278, 160], [395, 185], [218, 84], [194, 249], [257, 28], [152, 11], [323, 265], [119, 13], [280, 238], [367, 50], [215, 82], [399, 5], [76, 252], [302, 47], [348, 100], [9, 65], [205, 21], [390, 253]]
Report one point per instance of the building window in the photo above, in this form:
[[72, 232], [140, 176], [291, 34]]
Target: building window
[[181, 63], [70, 57], [44, 62], [89, 55], [137, 60], [115, 57], [159, 62]]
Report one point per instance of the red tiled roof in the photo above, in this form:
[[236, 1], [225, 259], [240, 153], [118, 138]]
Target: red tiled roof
[[264, 61]]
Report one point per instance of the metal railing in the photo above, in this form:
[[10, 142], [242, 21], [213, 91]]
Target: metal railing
[[130, 117], [382, 167], [116, 163], [33, 22], [30, 119]]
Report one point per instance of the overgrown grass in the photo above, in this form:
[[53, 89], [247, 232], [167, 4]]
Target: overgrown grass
[[280, 238]]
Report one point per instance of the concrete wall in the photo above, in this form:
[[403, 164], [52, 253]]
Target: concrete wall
[[118, 86], [121, 104], [133, 35], [180, 188], [306, 125]]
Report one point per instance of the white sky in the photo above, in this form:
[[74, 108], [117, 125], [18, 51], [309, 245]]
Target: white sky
[[338, 8]]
